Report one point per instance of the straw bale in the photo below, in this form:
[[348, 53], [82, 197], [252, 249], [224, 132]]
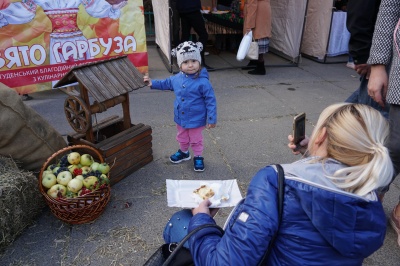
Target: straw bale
[[20, 201]]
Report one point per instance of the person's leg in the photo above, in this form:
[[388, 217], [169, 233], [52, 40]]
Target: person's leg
[[176, 24], [263, 47], [199, 26], [196, 142], [185, 26], [183, 139], [394, 151]]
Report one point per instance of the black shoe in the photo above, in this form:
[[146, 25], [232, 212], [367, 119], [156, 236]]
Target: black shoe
[[252, 64], [259, 70], [209, 69], [26, 97]]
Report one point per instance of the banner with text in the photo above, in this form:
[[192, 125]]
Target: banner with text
[[40, 40]]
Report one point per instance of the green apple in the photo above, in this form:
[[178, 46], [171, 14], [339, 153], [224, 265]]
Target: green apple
[[85, 169], [64, 177], [74, 158], [95, 166], [75, 185], [72, 167], [45, 172], [80, 177], [57, 190], [86, 159], [104, 168], [49, 180], [89, 181]]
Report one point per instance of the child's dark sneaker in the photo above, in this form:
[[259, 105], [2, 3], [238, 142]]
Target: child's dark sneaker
[[179, 156], [198, 163]]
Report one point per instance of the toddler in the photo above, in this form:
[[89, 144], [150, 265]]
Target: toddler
[[195, 106]]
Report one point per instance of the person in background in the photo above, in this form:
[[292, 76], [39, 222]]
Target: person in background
[[195, 106], [331, 212], [385, 88], [176, 25], [191, 17], [257, 18], [361, 18]]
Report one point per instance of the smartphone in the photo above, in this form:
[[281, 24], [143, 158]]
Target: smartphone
[[299, 128]]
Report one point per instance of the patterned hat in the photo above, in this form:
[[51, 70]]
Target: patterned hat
[[186, 51]]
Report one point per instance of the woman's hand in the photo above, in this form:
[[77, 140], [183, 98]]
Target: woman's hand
[[204, 208], [378, 84], [297, 149]]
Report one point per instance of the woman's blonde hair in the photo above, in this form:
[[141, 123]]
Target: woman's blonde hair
[[356, 135]]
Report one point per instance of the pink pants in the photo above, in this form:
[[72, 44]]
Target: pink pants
[[190, 137]]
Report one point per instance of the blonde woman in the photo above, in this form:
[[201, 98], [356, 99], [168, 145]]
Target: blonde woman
[[331, 212]]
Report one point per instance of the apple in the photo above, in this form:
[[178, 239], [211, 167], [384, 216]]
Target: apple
[[64, 177], [95, 166], [85, 169], [104, 168], [57, 189], [89, 181], [86, 160], [74, 158], [75, 185], [72, 167], [80, 177], [45, 172], [49, 180]]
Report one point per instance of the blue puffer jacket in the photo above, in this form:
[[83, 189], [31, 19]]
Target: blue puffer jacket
[[321, 225], [195, 103]]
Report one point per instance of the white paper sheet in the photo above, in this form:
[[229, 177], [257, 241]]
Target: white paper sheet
[[180, 193]]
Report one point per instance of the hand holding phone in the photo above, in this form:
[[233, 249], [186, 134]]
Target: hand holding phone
[[299, 129]]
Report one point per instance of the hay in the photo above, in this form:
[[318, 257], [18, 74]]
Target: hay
[[20, 201]]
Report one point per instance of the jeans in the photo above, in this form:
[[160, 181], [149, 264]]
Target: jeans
[[361, 96]]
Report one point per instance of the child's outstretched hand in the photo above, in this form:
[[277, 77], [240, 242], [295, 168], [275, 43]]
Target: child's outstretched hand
[[147, 81], [210, 125]]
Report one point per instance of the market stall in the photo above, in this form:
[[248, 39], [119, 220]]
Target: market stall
[[325, 32], [288, 18]]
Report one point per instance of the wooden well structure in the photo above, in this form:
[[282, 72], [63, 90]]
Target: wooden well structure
[[102, 85]]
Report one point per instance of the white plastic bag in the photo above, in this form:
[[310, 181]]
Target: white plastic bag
[[244, 46]]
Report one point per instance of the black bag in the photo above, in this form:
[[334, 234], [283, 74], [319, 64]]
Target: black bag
[[174, 254]]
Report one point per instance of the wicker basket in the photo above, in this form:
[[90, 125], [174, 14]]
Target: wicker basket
[[82, 209]]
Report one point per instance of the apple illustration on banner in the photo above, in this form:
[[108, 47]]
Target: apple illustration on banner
[[74, 158], [86, 160], [56, 189], [64, 177], [49, 180]]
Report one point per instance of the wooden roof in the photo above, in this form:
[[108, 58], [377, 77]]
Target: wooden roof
[[105, 79]]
